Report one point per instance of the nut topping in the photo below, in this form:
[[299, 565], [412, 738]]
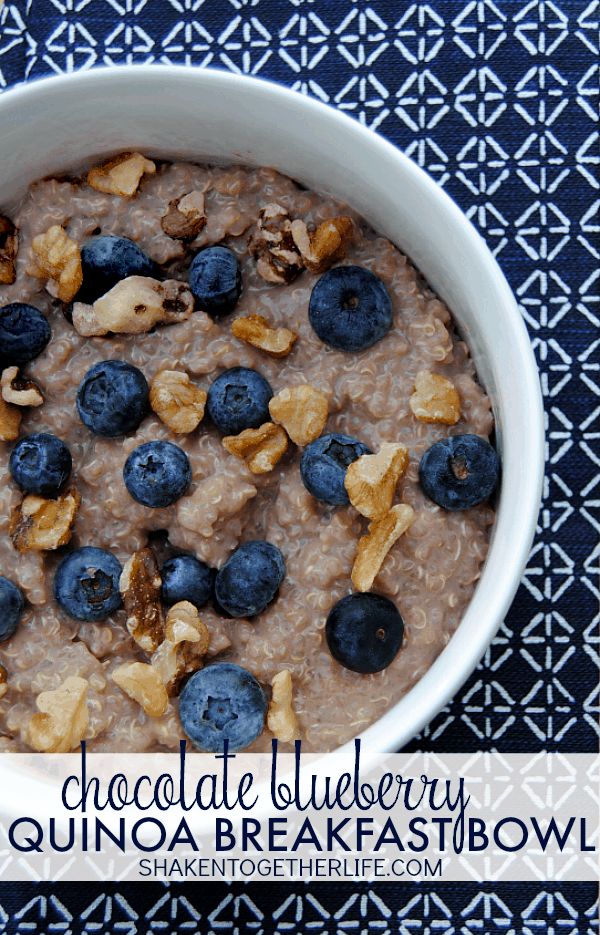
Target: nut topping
[[185, 218], [44, 524], [261, 448], [373, 548], [435, 399], [255, 330], [63, 717], [140, 588], [325, 245], [302, 411], [177, 401], [57, 258], [174, 659], [121, 176], [3, 685], [10, 420], [143, 683], [278, 259], [9, 247], [371, 479], [281, 718], [19, 390], [135, 305]]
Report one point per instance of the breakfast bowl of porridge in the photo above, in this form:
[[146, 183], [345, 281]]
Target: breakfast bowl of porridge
[[271, 428]]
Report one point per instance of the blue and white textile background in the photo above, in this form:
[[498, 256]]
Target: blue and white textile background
[[498, 101]]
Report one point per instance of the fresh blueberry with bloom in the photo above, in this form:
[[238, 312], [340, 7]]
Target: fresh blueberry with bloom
[[216, 280], [364, 632], [24, 333], [459, 472], [250, 578], [40, 464], [12, 603], [239, 399], [186, 578], [105, 260], [157, 474], [350, 308], [113, 398], [222, 702], [324, 464], [86, 584]]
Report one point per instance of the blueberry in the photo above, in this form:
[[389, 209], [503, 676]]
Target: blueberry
[[186, 578], [113, 398], [40, 464], [157, 474], [364, 632], [86, 584], [222, 702], [216, 280], [250, 578], [324, 463], [105, 261], [239, 399], [12, 603], [350, 308], [459, 472], [24, 333]]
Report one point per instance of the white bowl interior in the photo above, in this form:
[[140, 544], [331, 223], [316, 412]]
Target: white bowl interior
[[62, 124]]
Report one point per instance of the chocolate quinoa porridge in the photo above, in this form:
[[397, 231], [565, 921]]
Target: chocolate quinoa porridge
[[430, 571]]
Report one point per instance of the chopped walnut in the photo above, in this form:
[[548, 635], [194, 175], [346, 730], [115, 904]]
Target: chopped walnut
[[57, 258], [255, 330], [435, 399], [135, 305], [373, 548], [63, 717], [261, 448], [142, 683], [272, 245], [121, 176], [19, 390], [177, 401], [140, 587], [185, 218], [3, 685], [371, 479], [175, 658], [325, 245], [281, 718], [44, 524], [302, 411], [10, 420], [9, 247]]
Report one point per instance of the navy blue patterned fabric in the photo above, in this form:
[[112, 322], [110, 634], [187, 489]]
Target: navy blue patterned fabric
[[498, 101]]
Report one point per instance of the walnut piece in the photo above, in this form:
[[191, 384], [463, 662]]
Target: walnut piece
[[255, 330], [302, 411], [44, 524], [373, 548], [122, 175], [3, 685], [63, 717], [177, 401], [175, 657], [185, 218], [9, 247], [278, 259], [324, 246], [135, 305], [281, 718], [57, 258], [10, 420], [435, 399], [371, 479], [140, 588], [261, 448], [19, 390], [142, 683]]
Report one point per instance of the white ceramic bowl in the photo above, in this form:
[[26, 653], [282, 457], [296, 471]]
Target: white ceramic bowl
[[64, 123]]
